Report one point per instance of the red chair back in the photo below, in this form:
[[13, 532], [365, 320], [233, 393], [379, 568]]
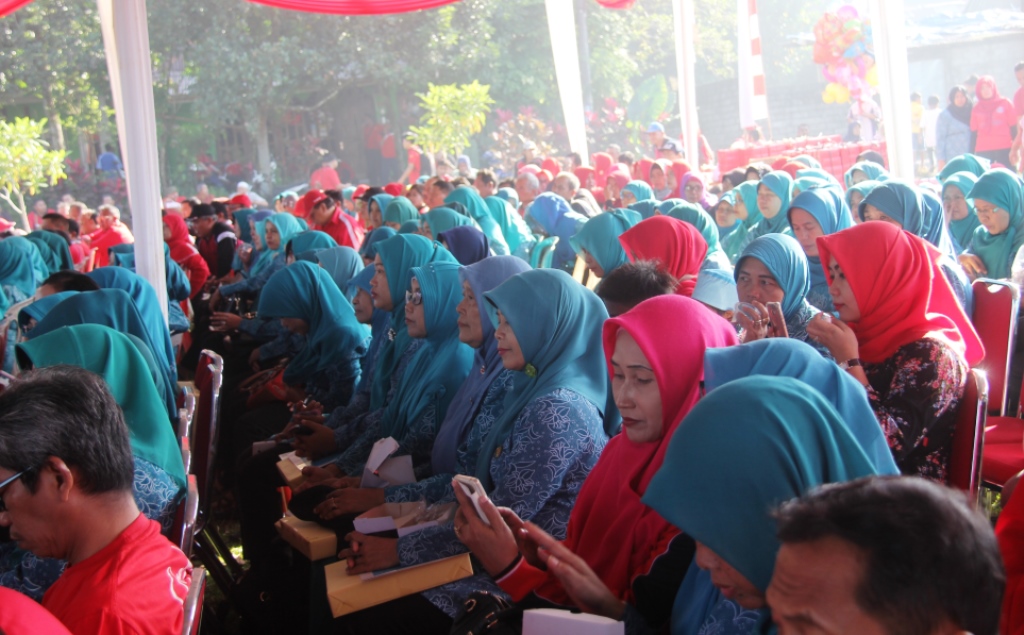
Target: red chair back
[[969, 436], [205, 429], [184, 532], [194, 602], [995, 319], [186, 412]]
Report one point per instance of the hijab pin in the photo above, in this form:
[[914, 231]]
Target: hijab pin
[[391, 335], [531, 370], [483, 370]]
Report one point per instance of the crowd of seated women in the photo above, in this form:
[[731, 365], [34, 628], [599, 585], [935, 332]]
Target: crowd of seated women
[[681, 449]]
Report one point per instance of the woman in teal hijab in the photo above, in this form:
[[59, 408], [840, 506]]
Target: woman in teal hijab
[[818, 173], [557, 218], [270, 260], [242, 227], [509, 195], [478, 211], [972, 163], [804, 183], [636, 191], [409, 227], [18, 277], [646, 209], [744, 201], [517, 233], [378, 203], [441, 219], [959, 210], [783, 437], [869, 171], [696, 216], [399, 210], [30, 316], [597, 242], [369, 249], [30, 251], [380, 322], [820, 211], [856, 193], [998, 198], [309, 240], [773, 268], [341, 264], [54, 249], [774, 193]]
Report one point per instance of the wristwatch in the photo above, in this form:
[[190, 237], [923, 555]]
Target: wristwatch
[[850, 363]]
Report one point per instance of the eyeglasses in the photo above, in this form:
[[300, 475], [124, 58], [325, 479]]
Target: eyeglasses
[[6, 483], [414, 298]]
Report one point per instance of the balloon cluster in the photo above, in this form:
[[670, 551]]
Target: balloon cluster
[[842, 45]]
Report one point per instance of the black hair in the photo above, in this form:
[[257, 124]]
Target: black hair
[[73, 227], [760, 169], [63, 234], [507, 183], [627, 157], [371, 192], [486, 176], [56, 218], [632, 283], [108, 147], [336, 196], [220, 208], [445, 186], [872, 156], [192, 201], [930, 556], [68, 280], [735, 177], [577, 160], [66, 412]]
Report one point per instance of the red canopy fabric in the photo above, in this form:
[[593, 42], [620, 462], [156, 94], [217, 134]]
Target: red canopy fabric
[[617, 4], [350, 7], [10, 6]]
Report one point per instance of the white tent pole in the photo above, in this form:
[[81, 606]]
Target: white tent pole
[[562, 27], [887, 28], [686, 60], [126, 41]]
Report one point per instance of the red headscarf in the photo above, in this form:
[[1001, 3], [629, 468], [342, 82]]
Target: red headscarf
[[603, 163], [583, 173], [617, 535], [531, 168], [1010, 533], [900, 290], [676, 246], [642, 170], [792, 167], [552, 166], [680, 169], [180, 243]]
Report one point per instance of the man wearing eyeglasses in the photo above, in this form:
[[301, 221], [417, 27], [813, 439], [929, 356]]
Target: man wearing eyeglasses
[[66, 474]]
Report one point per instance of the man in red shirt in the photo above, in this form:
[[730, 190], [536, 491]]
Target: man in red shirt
[[327, 216], [326, 176], [413, 158], [112, 232], [66, 474]]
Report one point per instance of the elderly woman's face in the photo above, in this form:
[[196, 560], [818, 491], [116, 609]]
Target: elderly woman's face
[[995, 220]]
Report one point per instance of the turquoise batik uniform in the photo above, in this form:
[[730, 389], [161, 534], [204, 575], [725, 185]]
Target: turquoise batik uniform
[[828, 206], [789, 440], [311, 239], [872, 170], [965, 163], [556, 218], [517, 233], [785, 260], [599, 236], [441, 219], [962, 230], [696, 216], [341, 264], [641, 190], [400, 210], [781, 184], [328, 365], [54, 249], [1001, 188], [478, 211], [737, 239]]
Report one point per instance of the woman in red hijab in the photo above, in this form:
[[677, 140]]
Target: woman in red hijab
[[184, 252], [615, 180], [677, 247], [993, 122], [642, 170], [677, 170], [902, 334], [620, 558]]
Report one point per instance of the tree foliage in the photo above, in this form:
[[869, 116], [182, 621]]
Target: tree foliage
[[26, 163], [451, 116]]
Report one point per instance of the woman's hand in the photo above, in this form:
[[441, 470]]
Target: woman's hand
[[577, 578], [225, 321], [350, 500], [754, 329], [317, 476], [973, 265], [527, 547], [369, 553], [495, 546], [215, 299], [318, 442], [836, 336]]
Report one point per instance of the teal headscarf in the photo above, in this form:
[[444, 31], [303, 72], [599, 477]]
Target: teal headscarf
[[784, 258], [258, 222], [114, 357], [16, 269], [696, 216], [965, 163], [287, 226], [734, 242], [640, 189], [441, 219], [828, 206], [38, 309], [346, 193], [511, 224], [872, 170], [311, 239], [666, 206], [1005, 190], [558, 323], [646, 209], [242, 223], [439, 367], [341, 264], [744, 449], [409, 227], [400, 210], [369, 250], [379, 323], [382, 200], [399, 254], [786, 357], [804, 183], [903, 202], [478, 211], [54, 249], [600, 237], [307, 292], [962, 231], [818, 173], [863, 188], [781, 184], [807, 160], [509, 195]]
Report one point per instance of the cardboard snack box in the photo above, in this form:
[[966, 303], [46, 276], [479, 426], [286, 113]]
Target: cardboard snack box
[[350, 593], [312, 540]]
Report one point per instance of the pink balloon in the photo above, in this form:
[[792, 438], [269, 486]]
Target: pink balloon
[[847, 12]]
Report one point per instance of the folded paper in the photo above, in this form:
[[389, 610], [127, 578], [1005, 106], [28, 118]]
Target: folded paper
[[405, 518]]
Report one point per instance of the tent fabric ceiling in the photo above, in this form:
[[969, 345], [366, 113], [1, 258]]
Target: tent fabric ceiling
[[354, 7]]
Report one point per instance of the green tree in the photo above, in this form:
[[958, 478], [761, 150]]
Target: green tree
[[451, 116], [26, 163]]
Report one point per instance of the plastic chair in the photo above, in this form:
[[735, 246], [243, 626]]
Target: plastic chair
[[965, 460], [1004, 448], [543, 253], [996, 303], [194, 602]]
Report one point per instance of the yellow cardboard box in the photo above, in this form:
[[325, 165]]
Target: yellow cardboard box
[[290, 466], [312, 540], [350, 593]]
